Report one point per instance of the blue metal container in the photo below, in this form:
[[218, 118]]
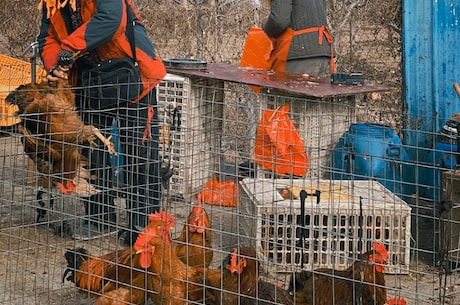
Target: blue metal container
[[373, 151]]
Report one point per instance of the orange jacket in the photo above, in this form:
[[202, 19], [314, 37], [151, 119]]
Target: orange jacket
[[103, 30]]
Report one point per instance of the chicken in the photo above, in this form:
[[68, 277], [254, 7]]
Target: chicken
[[117, 276], [122, 267], [241, 283], [53, 133], [170, 281], [363, 279], [193, 246]]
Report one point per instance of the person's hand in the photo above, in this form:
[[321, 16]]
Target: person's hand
[[61, 70], [56, 73]]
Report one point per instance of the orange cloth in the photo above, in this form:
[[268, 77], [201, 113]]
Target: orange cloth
[[283, 43]]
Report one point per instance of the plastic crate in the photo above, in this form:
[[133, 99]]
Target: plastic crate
[[173, 98], [190, 113], [332, 226], [13, 72]]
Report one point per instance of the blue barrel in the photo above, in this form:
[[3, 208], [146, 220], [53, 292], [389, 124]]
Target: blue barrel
[[442, 157], [373, 151]]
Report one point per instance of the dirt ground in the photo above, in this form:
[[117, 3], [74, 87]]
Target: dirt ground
[[32, 254]]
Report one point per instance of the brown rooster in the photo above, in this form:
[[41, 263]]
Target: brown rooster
[[241, 283], [116, 277], [363, 281], [193, 246], [53, 134], [99, 274], [170, 281]]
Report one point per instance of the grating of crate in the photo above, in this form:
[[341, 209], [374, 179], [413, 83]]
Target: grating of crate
[[271, 218], [190, 116], [319, 122], [172, 98], [13, 72]]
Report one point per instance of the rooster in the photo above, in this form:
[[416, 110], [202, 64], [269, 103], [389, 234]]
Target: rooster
[[117, 276], [363, 281], [53, 133], [170, 281], [241, 283], [100, 273], [193, 246]]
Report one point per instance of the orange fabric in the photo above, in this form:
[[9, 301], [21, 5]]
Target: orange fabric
[[257, 49], [283, 43], [279, 147], [152, 70], [220, 193], [261, 51], [147, 134]]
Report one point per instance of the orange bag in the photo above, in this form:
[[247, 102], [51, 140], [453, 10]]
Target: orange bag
[[257, 50], [279, 147], [221, 193]]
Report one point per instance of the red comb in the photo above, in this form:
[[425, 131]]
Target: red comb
[[196, 210], [234, 259], [195, 220], [162, 216], [67, 188], [380, 249], [236, 266], [396, 301], [199, 200], [142, 245], [233, 266]]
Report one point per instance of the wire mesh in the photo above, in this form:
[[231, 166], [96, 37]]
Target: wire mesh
[[208, 130]]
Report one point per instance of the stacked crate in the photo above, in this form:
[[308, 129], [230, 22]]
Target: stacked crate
[[342, 219]]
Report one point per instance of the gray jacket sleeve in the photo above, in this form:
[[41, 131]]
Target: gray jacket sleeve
[[279, 19]]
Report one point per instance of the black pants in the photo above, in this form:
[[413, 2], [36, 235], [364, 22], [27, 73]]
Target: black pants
[[138, 177]]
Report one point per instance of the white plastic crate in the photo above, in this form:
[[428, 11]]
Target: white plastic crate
[[190, 117], [173, 95], [332, 226]]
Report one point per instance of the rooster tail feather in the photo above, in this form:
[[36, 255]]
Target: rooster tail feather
[[74, 258], [298, 280]]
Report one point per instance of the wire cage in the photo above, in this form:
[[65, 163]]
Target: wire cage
[[355, 146], [208, 128], [360, 184]]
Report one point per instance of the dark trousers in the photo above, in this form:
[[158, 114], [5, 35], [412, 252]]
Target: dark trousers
[[137, 179]]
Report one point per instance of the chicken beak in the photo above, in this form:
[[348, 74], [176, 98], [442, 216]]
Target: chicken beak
[[232, 269], [142, 250]]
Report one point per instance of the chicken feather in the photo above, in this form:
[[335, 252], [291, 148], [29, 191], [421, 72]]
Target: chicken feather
[[363, 280], [53, 133]]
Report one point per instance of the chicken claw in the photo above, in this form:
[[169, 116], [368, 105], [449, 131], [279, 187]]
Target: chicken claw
[[106, 141]]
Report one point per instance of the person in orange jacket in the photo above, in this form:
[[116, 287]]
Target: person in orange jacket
[[302, 41], [97, 30]]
